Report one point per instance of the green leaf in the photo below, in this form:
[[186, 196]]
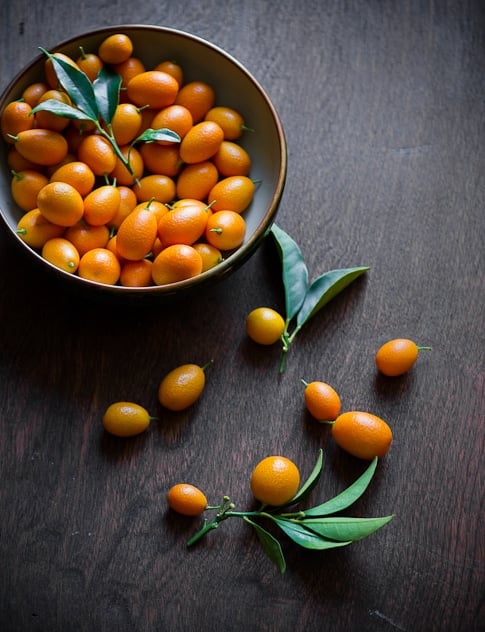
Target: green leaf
[[304, 537], [270, 545], [151, 135], [106, 88], [324, 289], [76, 84], [61, 109], [311, 481], [345, 529], [294, 270], [347, 497]]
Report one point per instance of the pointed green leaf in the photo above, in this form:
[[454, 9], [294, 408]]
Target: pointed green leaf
[[345, 529], [311, 481], [347, 497], [151, 135], [76, 84], [304, 537], [106, 88], [270, 545], [324, 289], [294, 271], [61, 109]]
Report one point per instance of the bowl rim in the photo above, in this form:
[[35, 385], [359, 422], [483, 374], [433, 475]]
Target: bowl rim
[[236, 258]]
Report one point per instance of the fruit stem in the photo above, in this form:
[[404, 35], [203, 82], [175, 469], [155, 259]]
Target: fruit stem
[[425, 348]]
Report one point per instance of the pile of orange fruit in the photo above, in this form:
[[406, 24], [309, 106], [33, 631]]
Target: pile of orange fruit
[[177, 215]]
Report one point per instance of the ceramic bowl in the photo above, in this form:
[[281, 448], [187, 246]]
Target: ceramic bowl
[[235, 87]]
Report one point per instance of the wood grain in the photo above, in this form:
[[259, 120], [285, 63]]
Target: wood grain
[[382, 105]]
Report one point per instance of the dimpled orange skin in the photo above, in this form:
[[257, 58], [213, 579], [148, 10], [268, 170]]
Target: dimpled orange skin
[[126, 419], [396, 357], [275, 480], [186, 499], [362, 434], [322, 401], [181, 387]]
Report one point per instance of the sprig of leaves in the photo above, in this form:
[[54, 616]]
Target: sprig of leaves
[[302, 298], [95, 102], [312, 528]]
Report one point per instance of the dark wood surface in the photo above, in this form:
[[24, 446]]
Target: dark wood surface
[[383, 106]]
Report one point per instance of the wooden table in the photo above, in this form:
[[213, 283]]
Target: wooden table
[[383, 108]]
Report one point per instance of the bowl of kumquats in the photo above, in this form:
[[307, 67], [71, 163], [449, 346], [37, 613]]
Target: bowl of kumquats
[[139, 161]]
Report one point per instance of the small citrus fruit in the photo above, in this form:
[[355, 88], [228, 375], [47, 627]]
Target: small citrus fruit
[[136, 234], [42, 146], [60, 203], [186, 499], [176, 263], [100, 265], [322, 400], [35, 229], [115, 49], [153, 89], [181, 387], [126, 419], [233, 193], [25, 186], [201, 142], [397, 356], [229, 119], [362, 434], [275, 480], [198, 97], [225, 230], [264, 325], [61, 253]]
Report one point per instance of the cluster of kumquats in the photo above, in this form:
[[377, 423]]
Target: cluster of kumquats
[[176, 215]]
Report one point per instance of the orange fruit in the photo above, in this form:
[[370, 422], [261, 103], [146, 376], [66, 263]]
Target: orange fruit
[[49, 72], [176, 118], [232, 160], [60, 203], [201, 142], [181, 387], [101, 205], [97, 153], [35, 230], [115, 49], [136, 234], [233, 193], [90, 64], [397, 356], [210, 255], [362, 434], [186, 499], [182, 225], [100, 265], [86, 237], [126, 123], [121, 174], [126, 419], [49, 120], [61, 253], [76, 173], [176, 263], [321, 400], [162, 159], [128, 202], [16, 162], [264, 325], [225, 230], [159, 209], [25, 187], [172, 68], [275, 480], [16, 118], [155, 187], [196, 180], [33, 92], [153, 89], [127, 70], [42, 146], [230, 120], [198, 97], [136, 273]]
